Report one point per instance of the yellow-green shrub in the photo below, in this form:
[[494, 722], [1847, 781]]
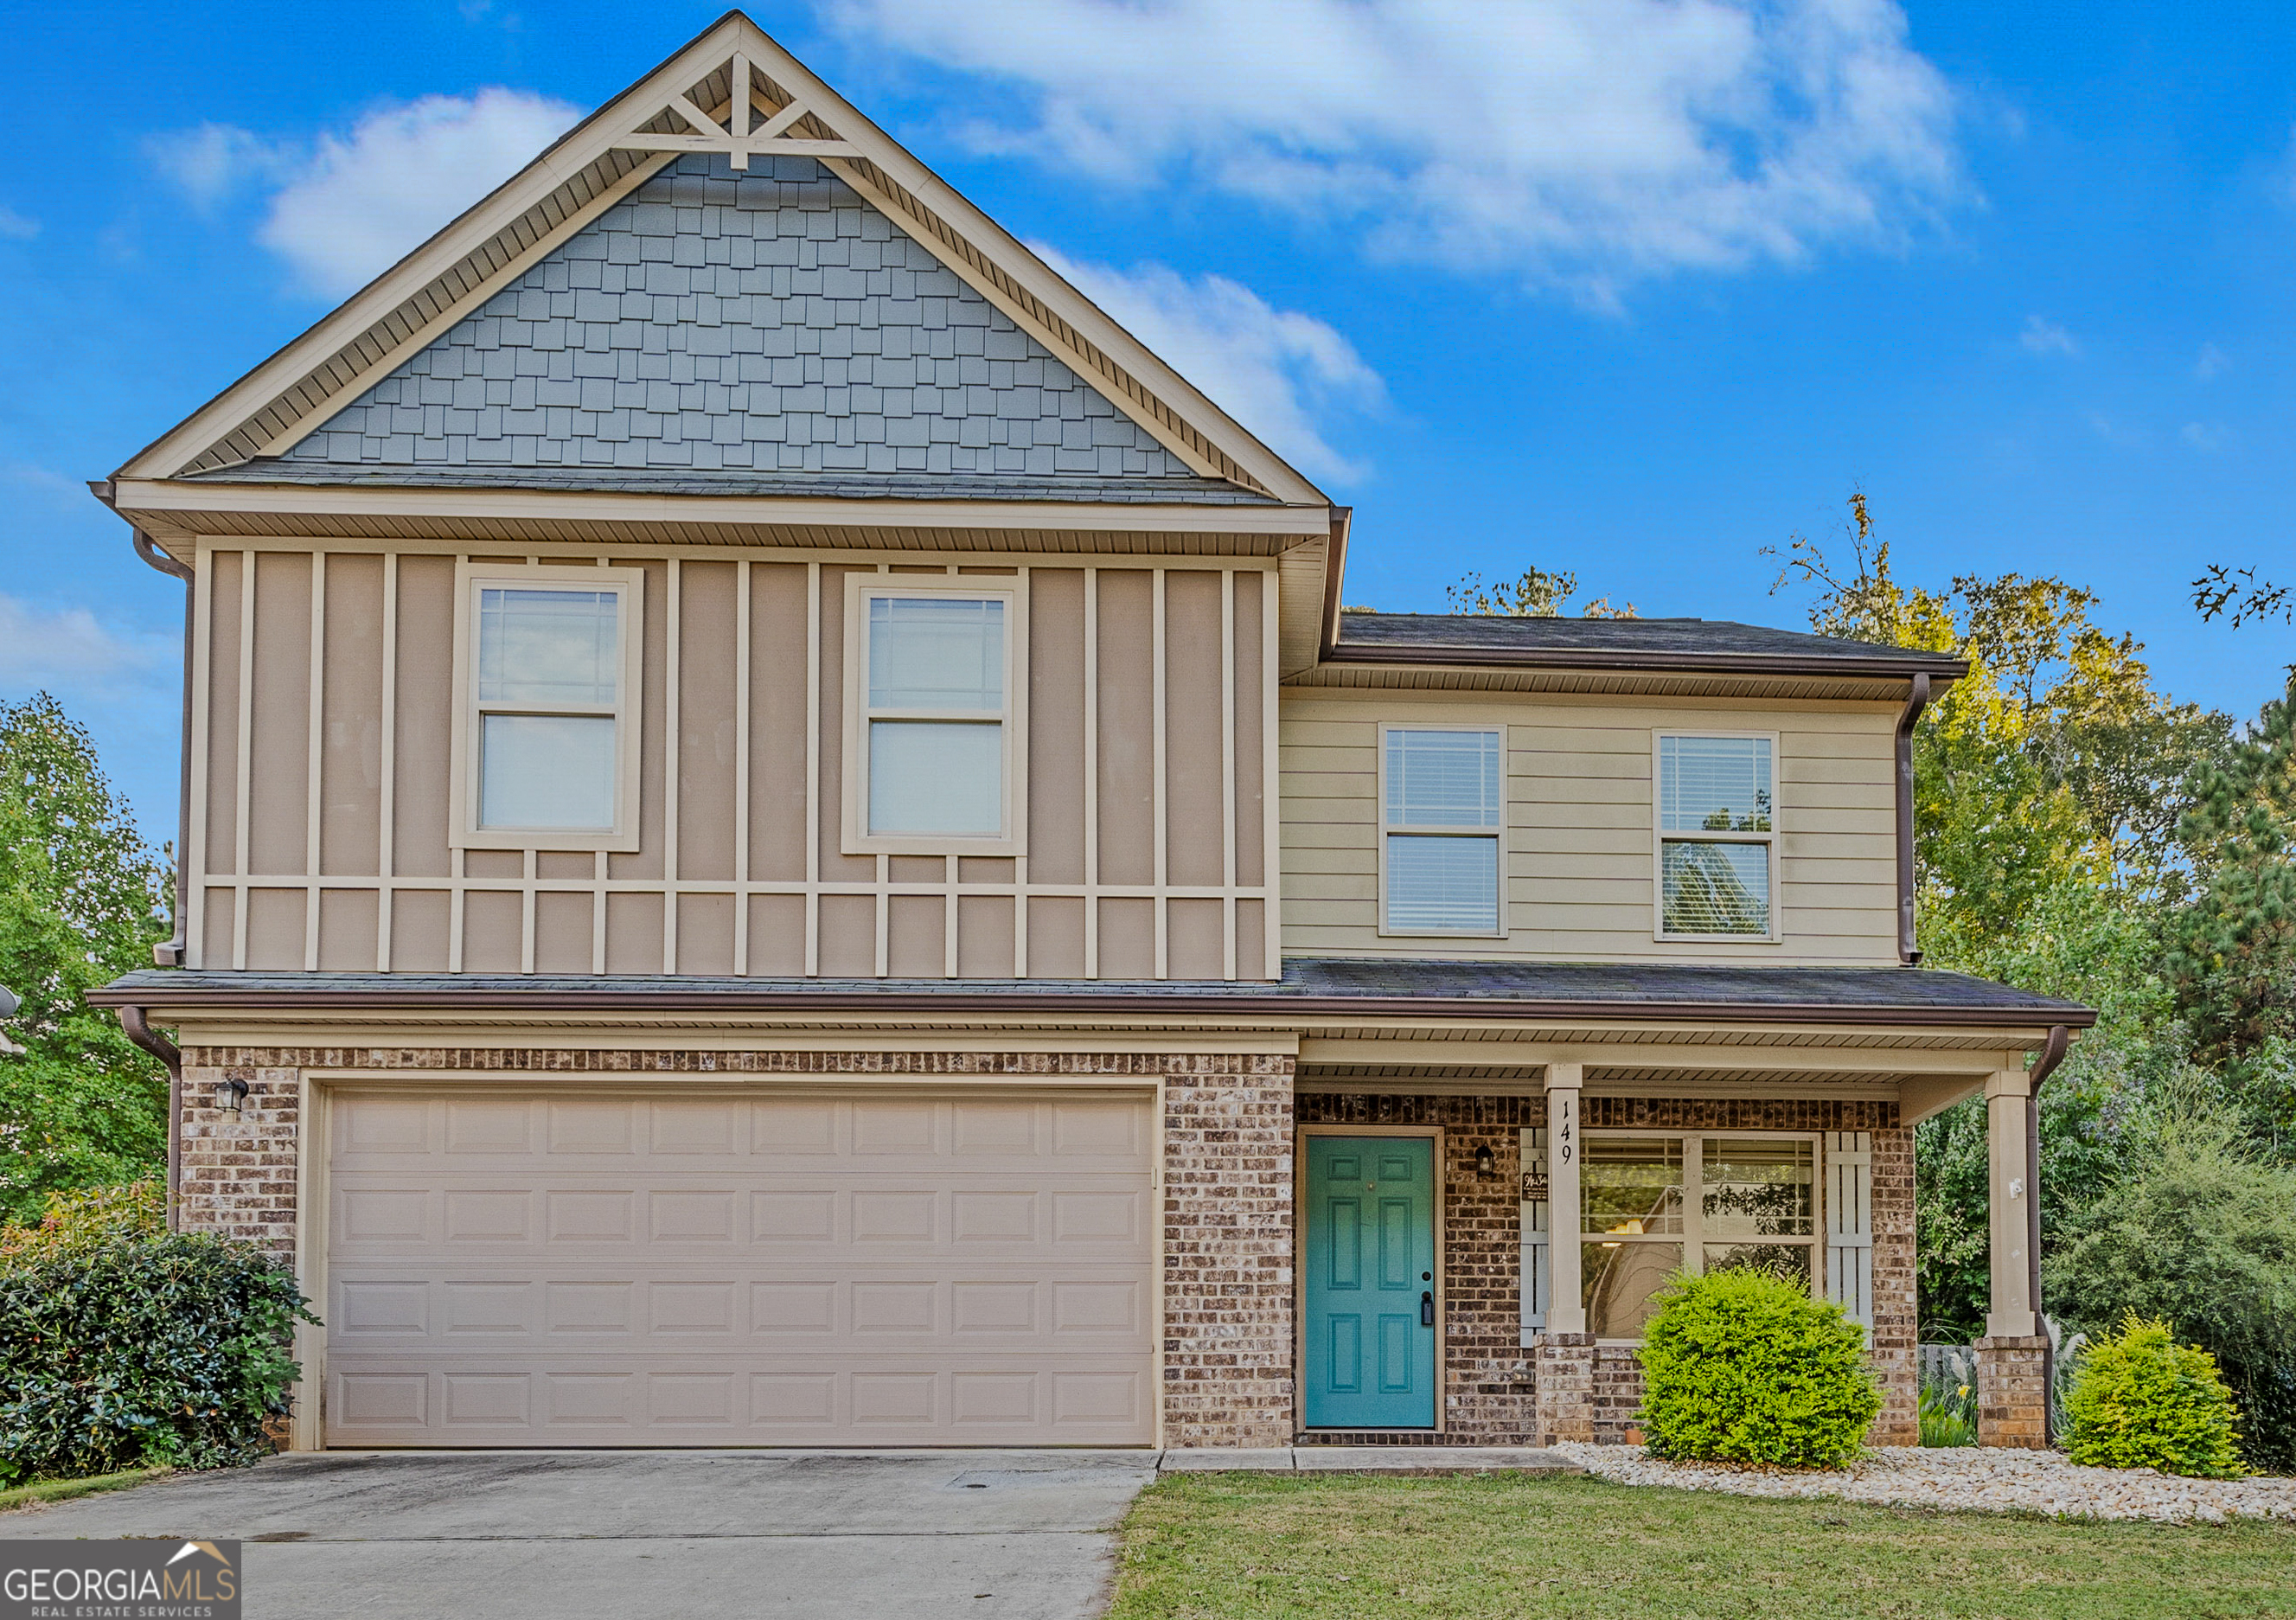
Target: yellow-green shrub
[[2140, 1400], [1742, 1366]]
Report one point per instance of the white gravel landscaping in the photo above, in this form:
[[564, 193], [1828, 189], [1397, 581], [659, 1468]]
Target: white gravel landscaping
[[1994, 1480]]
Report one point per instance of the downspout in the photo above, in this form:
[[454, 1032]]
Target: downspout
[[131, 1021], [172, 953], [1908, 953], [2053, 1053]]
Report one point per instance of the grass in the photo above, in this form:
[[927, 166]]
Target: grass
[[1260, 1547], [64, 1489]]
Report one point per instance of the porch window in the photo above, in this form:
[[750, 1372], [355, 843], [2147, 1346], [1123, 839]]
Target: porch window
[[547, 755], [932, 741], [1717, 836], [1440, 866], [1651, 1204]]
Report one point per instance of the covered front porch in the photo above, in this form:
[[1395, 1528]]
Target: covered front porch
[[1564, 1182]]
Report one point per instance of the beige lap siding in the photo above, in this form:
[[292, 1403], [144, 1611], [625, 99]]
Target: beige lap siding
[[1226, 1199]]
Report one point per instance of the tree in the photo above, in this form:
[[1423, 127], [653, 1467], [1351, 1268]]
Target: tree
[[2239, 593], [1537, 595], [2232, 952], [80, 901]]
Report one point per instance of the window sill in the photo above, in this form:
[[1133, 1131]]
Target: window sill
[[578, 844], [992, 849]]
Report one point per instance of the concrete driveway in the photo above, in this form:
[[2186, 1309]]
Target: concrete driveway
[[682, 1536]]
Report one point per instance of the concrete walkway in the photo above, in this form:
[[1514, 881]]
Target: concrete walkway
[[585, 1535]]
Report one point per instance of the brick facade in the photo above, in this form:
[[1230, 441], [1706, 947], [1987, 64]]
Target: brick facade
[[2012, 1392], [1229, 1302]]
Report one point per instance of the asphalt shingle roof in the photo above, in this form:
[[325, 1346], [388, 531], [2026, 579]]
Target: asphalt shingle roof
[[1377, 638], [1387, 986]]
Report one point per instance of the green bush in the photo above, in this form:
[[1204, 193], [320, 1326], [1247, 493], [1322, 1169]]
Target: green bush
[[133, 1348], [1742, 1366], [2143, 1401], [88, 1217], [1948, 1414]]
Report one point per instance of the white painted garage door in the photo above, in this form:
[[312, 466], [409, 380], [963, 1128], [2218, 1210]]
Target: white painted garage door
[[537, 1268]]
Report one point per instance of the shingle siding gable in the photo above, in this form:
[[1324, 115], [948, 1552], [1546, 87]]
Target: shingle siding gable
[[769, 322]]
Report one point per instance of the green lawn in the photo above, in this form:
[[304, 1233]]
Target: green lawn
[[64, 1489], [1256, 1547]]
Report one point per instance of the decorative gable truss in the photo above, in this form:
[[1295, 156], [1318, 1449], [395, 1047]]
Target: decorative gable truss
[[690, 105]]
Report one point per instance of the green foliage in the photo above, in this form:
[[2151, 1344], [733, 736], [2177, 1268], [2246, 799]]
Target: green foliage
[[2201, 1231], [2232, 953], [80, 898], [1537, 595], [85, 1218], [1948, 1415], [2143, 1401], [1742, 1366], [166, 1349]]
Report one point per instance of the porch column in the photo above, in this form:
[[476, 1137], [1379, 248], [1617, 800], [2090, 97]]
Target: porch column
[[2012, 1358], [1563, 1357], [1566, 1309]]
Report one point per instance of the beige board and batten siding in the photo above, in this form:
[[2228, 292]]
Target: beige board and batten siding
[[1580, 863], [323, 750], [519, 1266]]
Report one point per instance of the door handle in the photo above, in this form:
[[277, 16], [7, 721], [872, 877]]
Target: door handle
[[1427, 1309]]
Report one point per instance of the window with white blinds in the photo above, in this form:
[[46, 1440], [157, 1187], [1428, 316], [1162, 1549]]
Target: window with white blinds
[[1716, 836], [933, 676], [548, 672], [1442, 814]]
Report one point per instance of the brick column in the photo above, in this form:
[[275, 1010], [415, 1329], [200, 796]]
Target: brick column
[[1227, 1252], [1896, 1331], [1564, 1399], [2012, 1392]]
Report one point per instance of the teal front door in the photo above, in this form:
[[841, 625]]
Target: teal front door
[[1371, 1282]]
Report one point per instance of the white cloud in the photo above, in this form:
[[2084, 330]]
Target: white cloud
[[16, 226], [1589, 141], [347, 207], [69, 651], [2212, 362], [2206, 437], [2046, 337], [1277, 372], [217, 160]]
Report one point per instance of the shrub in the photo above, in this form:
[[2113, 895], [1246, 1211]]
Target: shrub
[[138, 1349], [1742, 1366], [1948, 1415], [2203, 1235], [2141, 1399], [87, 1217]]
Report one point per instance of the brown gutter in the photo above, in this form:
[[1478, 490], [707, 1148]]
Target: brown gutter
[[1714, 664], [131, 1021], [172, 953], [2053, 1053], [1335, 568], [218, 997], [1908, 953]]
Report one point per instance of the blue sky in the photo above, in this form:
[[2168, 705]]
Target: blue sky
[[1629, 288]]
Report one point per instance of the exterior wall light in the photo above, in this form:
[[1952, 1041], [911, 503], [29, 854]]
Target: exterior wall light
[[1486, 1161], [230, 1094]]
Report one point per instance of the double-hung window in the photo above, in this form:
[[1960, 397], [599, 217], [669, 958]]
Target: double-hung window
[[931, 752], [1653, 1204], [1717, 837], [1440, 866], [547, 755]]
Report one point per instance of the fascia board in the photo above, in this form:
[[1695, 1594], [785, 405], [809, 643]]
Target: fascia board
[[565, 159], [132, 496]]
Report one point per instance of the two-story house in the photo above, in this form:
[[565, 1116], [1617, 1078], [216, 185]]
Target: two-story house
[[785, 843]]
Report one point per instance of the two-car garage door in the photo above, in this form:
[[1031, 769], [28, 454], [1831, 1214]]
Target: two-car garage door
[[529, 1267]]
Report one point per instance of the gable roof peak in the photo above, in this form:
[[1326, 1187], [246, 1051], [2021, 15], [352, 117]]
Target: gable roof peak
[[731, 91]]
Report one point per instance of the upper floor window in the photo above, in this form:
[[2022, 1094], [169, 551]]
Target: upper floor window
[[1717, 837], [1439, 855], [931, 751], [547, 756]]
